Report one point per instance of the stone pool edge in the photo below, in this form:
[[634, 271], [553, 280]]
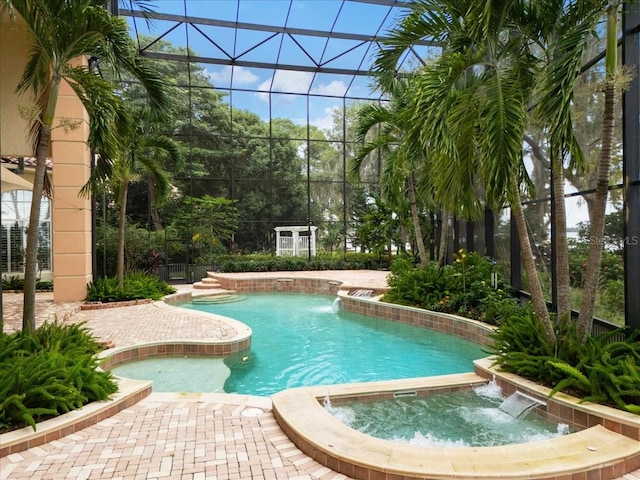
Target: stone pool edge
[[165, 348], [595, 452]]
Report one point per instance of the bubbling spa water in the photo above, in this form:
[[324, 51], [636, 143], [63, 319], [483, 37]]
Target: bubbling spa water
[[472, 418]]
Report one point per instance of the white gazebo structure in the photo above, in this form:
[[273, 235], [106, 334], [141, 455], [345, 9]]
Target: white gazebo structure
[[296, 241]]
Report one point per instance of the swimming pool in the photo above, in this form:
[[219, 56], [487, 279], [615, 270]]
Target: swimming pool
[[303, 340]]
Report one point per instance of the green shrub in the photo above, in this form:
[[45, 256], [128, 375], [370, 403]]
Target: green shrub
[[521, 346], [145, 249], [423, 287], [17, 283], [137, 286], [611, 268], [48, 372], [464, 288], [12, 283], [268, 263], [598, 370], [612, 297]]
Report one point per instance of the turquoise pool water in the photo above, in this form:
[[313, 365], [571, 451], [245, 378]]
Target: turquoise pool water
[[302, 340]]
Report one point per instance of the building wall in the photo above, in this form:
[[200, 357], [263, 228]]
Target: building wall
[[71, 215], [14, 128]]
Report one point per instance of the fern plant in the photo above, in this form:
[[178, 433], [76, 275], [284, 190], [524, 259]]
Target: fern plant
[[598, 370], [137, 286], [48, 372]]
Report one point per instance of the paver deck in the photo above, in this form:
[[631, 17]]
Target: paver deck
[[171, 436]]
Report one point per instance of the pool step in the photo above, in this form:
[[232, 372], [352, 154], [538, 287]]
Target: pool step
[[229, 297], [207, 283]]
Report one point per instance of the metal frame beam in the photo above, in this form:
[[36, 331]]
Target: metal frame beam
[[259, 27], [631, 163], [244, 63]]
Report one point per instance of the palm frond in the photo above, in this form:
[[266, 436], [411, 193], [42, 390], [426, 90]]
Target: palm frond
[[558, 77]]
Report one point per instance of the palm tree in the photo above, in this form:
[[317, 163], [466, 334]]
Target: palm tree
[[563, 34], [470, 109], [498, 60], [401, 161], [139, 158], [613, 80], [63, 33]]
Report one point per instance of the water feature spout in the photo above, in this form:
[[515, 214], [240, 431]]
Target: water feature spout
[[335, 306], [361, 293], [518, 404]]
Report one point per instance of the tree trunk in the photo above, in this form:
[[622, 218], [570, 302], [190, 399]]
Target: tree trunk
[[596, 228], [537, 212], [444, 235], [417, 228], [528, 261], [404, 238], [156, 219], [155, 215], [122, 222], [31, 254], [562, 247]]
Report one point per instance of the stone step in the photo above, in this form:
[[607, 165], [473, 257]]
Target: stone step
[[228, 296], [210, 280], [206, 286]]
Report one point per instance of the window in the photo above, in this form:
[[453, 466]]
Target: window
[[15, 220]]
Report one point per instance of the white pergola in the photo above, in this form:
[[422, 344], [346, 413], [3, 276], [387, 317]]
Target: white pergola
[[298, 241]]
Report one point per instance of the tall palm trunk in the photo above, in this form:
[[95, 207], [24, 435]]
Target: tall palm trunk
[[122, 223], [528, 261], [444, 235], [417, 229], [43, 137], [596, 230], [563, 285], [155, 215], [31, 254]]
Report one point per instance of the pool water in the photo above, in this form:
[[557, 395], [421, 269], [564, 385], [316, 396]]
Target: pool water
[[304, 340], [471, 418]]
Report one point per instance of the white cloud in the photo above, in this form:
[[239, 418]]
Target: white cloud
[[241, 76], [299, 82], [284, 81], [325, 122], [336, 88]]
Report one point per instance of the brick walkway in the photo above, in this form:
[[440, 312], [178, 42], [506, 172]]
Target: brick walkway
[[169, 436]]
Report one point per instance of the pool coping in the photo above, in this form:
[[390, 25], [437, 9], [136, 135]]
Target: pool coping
[[595, 452], [200, 347]]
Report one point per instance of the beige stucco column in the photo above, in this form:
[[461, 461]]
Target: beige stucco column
[[71, 215]]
